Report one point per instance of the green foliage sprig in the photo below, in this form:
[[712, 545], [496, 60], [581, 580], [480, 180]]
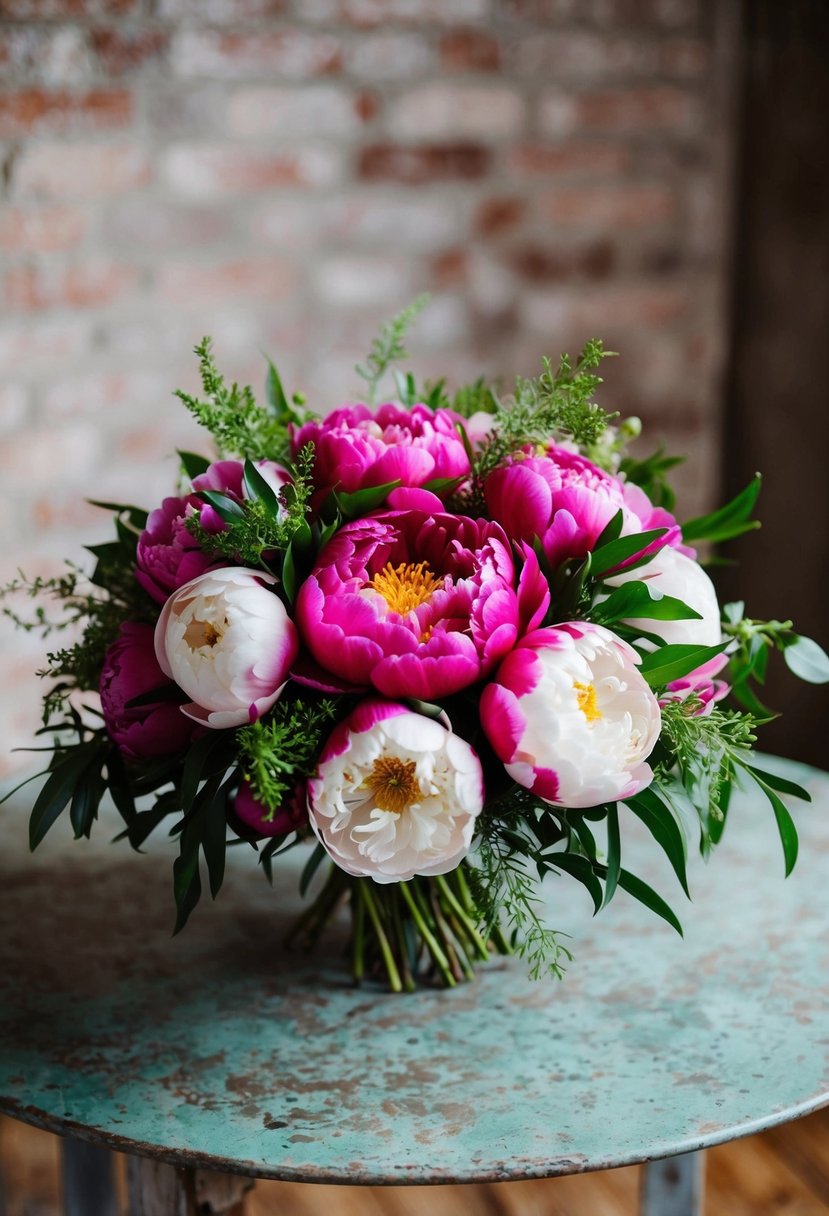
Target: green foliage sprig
[[389, 346], [277, 751], [238, 425]]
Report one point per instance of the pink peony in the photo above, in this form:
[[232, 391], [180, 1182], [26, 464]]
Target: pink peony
[[701, 684], [168, 555], [567, 501], [130, 670], [289, 817], [395, 794], [355, 448], [227, 641], [418, 604], [571, 717]]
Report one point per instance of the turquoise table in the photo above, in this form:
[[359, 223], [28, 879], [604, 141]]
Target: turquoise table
[[222, 1055]]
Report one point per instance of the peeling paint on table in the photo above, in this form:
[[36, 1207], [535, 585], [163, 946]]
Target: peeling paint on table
[[221, 1049]]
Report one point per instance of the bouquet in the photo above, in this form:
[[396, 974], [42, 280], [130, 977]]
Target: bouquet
[[453, 641]]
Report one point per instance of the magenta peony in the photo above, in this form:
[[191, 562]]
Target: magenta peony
[[567, 501], [292, 815], [418, 604], [168, 555], [130, 670], [355, 448]]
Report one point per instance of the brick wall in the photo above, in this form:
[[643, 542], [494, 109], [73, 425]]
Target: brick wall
[[285, 175]]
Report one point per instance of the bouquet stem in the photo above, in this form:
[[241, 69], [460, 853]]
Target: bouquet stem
[[425, 930]]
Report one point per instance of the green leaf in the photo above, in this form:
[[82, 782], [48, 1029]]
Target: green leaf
[[727, 522], [227, 508], [640, 600], [276, 401], [785, 823], [214, 835], [579, 868], [59, 789], [136, 515], [194, 764], [352, 506], [781, 784], [186, 879], [659, 820], [310, 868], [612, 531], [442, 485], [673, 662], [193, 464], [807, 659], [86, 798], [609, 556], [289, 576], [647, 896], [259, 490], [614, 854]]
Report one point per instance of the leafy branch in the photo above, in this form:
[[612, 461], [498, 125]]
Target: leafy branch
[[238, 425], [389, 346]]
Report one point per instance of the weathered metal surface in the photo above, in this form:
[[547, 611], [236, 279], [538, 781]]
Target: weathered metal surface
[[220, 1049], [673, 1186]]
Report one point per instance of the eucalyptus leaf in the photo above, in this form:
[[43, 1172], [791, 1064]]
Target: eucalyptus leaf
[[807, 660]]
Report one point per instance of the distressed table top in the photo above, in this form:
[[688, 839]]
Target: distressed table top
[[220, 1049]]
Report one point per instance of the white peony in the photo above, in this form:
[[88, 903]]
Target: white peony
[[395, 794], [674, 574], [227, 641]]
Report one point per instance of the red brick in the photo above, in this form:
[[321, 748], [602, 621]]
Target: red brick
[[261, 278], [498, 215], [219, 12], [563, 160], [317, 111], [470, 50], [610, 206], [643, 108], [440, 110], [25, 343], [543, 263], [59, 170], [37, 112], [413, 165], [367, 13], [50, 10], [119, 52], [87, 285], [41, 230], [450, 268], [164, 225], [210, 171], [295, 54]]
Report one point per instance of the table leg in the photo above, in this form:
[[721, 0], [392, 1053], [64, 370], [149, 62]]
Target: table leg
[[673, 1186], [88, 1182], [157, 1189]]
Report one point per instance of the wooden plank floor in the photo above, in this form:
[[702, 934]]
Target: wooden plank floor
[[784, 1172]]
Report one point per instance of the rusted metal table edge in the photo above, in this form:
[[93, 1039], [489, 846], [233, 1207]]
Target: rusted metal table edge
[[426, 1175]]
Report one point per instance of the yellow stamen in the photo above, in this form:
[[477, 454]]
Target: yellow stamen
[[405, 587], [586, 695], [393, 783], [199, 634]]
